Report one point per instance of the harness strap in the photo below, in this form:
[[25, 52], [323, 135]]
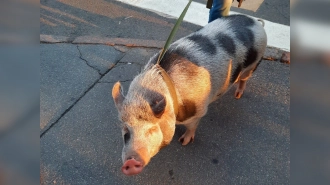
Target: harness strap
[[171, 88]]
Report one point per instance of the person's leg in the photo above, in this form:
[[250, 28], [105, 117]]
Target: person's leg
[[215, 10], [226, 7], [219, 9]]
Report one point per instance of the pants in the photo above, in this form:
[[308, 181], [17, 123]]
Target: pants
[[219, 9]]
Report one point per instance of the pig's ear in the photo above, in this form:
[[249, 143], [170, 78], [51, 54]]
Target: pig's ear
[[117, 95], [158, 106]]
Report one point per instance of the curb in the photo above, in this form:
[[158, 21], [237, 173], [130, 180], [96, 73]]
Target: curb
[[51, 39], [271, 53]]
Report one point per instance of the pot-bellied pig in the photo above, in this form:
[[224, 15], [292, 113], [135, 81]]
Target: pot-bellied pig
[[195, 71]]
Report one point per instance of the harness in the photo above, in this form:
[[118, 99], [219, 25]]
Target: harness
[[169, 83]]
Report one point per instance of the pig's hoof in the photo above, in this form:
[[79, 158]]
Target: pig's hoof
[[186, 138], [238, 94]]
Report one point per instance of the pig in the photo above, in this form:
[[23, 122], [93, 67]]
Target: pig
[[195, 71]]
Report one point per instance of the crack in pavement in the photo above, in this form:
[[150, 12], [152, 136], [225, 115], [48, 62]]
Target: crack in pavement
[[87, 63], [121, 50], [44, 131]]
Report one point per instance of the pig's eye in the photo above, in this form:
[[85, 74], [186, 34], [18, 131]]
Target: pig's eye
[[127, 136]]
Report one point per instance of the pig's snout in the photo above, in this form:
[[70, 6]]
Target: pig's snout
[[132, 167]]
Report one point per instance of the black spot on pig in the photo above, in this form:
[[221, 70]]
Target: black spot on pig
[[227, 43], [168, 60], [158, 107], [186, 110], [204, 43], [236, 72], [186, 55], [246, 37], [176, 56], [157, 102], [251, 57]]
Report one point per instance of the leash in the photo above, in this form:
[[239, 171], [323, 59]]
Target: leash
[[167, 79], [174, 30]]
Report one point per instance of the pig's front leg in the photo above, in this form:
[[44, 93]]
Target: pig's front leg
[[190, 132]]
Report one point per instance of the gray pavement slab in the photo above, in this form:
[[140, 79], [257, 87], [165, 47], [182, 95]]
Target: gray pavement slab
[[242, 141], [139, 55], [64, 78], [130, 65], [100, 57], [122, 72], [83, 147]]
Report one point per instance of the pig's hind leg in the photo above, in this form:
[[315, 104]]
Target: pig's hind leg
[[243, 77]]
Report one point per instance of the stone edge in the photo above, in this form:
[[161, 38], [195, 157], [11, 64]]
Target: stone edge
[[271, 53]]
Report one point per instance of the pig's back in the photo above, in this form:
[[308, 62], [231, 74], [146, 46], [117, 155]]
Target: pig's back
[[235, 38], [223, 39]]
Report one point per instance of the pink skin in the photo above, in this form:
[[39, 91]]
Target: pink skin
[[132, 167]]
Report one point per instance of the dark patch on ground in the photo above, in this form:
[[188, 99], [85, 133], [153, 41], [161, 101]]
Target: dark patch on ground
[[215, 161]]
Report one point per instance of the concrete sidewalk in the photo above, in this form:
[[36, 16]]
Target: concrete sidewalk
[[244, 141]]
